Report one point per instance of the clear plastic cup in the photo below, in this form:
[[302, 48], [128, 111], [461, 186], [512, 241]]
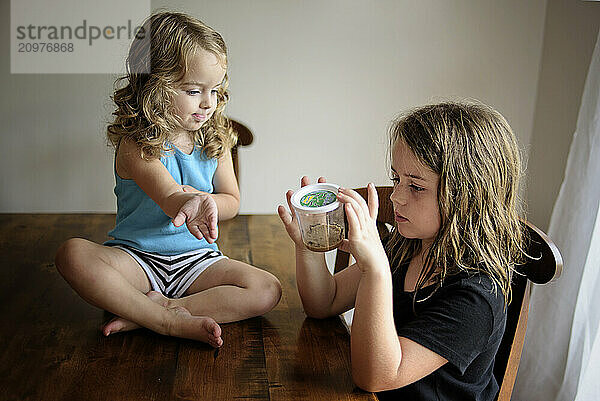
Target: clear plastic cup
[[320, 216]]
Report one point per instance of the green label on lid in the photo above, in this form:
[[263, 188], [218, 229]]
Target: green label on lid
[[318, 198]]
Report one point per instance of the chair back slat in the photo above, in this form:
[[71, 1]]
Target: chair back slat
[[544, 266], [244, 134], [507, 359], [245, 138], [547, 262]]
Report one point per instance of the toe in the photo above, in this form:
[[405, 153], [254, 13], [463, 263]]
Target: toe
[[109, 328], [217, 342], [217, 330]]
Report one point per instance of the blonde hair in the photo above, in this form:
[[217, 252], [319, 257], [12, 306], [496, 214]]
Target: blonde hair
[[474, 151], [144, 112]]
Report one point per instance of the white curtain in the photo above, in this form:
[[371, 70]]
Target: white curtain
[[561, 356]]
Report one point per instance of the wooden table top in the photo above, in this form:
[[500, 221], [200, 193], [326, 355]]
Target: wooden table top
[[51, 347]]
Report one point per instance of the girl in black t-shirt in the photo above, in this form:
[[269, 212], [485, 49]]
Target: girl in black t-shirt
[[430, 304]]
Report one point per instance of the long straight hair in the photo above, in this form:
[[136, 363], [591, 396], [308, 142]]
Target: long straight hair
[[474, 151]]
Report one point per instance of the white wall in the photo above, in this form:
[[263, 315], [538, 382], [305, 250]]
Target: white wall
[[316, 81]]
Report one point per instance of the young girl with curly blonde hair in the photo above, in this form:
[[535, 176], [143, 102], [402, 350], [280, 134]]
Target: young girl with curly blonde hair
[[174, 181], [430, 302]]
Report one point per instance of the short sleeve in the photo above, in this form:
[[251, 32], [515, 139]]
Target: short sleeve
[[457, 324]]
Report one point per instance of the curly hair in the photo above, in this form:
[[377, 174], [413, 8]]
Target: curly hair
[[158, 59], [474, 151]]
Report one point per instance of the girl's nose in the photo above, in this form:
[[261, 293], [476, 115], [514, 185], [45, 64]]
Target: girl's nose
[[399, 196], [206, 101]]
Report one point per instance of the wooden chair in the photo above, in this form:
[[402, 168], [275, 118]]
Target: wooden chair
[[245, 138], [545, 266]]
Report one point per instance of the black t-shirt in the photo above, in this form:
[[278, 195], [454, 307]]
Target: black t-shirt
[[463, 321]]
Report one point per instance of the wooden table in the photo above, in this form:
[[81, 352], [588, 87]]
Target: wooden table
[[51, 347]]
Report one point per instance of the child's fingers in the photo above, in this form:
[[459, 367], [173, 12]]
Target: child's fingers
[[373, 200], [179, 219], [355, 196], [213, 233], [205, 230], [285, 217], [195, 231], [353, 221], [290, 224], [209, 228], [288, 196], [187, 212], [356, 208], [212, 222], [304, 181]]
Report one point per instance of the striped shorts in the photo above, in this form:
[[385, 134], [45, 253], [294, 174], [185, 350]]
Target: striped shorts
[[173, 275]]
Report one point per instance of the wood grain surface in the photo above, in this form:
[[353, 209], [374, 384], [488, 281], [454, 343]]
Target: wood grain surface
[[51, 347]]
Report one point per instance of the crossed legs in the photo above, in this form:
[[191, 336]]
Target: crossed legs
[[228, 291], [111, 279]]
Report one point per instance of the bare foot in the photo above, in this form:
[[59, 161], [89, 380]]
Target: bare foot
[[184, 325], [202, 328], [119, 324]]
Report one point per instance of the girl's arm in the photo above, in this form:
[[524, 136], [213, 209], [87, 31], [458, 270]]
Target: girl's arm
[[199, 210], [322, 294], [226, 191], [380, 359]]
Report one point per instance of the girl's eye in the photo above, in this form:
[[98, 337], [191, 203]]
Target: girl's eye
[[416, 188], [192, 92], [214, 91]]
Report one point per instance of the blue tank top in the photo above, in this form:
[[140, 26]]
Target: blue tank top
[[142, 224]]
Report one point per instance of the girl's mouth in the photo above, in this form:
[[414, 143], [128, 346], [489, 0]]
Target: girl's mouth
[[400, 219], [199, 117]]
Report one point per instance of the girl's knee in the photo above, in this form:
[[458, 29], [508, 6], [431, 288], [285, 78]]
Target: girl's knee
[[275, 288], [69, 253], [269, 293]]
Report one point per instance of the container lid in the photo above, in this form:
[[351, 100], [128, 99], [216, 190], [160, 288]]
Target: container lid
[[316, 198]]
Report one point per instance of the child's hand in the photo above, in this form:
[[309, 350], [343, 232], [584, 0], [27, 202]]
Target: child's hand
[[189, 188], [363, 238], [200, 214], [289, 218]]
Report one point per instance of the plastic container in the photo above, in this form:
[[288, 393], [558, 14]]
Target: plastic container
[[320, 216]]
